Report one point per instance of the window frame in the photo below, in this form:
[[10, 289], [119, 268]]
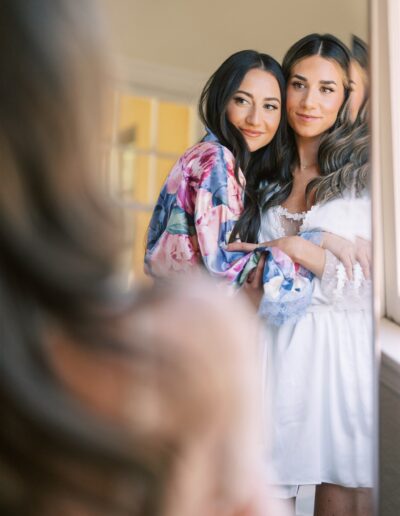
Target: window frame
[[386, 156]]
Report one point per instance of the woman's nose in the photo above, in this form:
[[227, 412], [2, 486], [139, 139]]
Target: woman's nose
[[254, 116], [309, 98]]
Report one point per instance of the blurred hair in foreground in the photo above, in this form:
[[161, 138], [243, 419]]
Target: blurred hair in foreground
[[112, 403]]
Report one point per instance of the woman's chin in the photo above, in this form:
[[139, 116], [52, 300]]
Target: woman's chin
[[253, 147], [307, 132]]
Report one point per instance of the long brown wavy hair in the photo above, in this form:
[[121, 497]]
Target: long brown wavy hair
[[346, 163], [343, 153]]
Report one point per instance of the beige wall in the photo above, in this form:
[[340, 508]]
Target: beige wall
[[198, 35]]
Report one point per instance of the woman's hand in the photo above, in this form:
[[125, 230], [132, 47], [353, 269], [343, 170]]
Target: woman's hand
[[290, 245], [349, 253], [253, 286], [364, 255], [300, 250]]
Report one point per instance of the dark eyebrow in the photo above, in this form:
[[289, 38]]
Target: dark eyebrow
[[328, 82], [305, 79], [298, 76], [251, 96]]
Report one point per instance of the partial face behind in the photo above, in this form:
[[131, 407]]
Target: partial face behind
[[358, 84], [315, 93], [255, 108]]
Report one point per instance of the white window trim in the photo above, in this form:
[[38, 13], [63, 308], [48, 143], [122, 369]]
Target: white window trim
[[387, 333], [394, 60], [152, 79], [386, 153], [389, 336]]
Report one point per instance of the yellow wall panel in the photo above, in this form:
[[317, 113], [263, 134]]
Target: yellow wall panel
[[141, 178], [135, 114], [173, 127]]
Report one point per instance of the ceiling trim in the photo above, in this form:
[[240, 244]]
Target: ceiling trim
[[163, 81]]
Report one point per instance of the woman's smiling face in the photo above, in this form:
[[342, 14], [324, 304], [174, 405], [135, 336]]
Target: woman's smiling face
[[255, 108], [315, 94]]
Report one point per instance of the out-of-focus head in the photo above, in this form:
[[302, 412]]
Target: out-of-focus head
[[317, 72], [358, 76], [243, 98], [188, 397], [165, 422]]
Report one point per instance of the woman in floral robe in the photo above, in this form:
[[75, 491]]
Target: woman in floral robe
[[211, 195]]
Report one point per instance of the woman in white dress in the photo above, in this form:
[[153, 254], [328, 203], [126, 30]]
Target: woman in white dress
[[319, 366]]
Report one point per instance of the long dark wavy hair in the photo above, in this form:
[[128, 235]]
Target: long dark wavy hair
[[359, 52], [259, 166], [343, 148]]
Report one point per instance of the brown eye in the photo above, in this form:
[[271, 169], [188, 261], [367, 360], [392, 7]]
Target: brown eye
[[240, 101], [298, 85]]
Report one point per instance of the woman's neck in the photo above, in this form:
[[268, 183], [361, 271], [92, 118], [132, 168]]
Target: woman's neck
[[306, 170], [307, 149]]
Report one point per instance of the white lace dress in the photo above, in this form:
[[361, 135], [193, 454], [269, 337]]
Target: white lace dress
[[318, 372]]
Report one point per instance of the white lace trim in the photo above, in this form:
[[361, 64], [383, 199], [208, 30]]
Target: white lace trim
[[307, 214], [281, 210], [279, 222], [275, 222]]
